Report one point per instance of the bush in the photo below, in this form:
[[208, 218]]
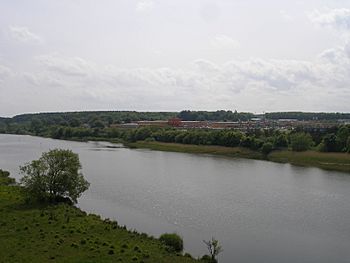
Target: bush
[[5, 178], [267, 148], [172, 240]]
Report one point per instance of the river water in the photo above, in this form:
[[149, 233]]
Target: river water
[[260, 211]]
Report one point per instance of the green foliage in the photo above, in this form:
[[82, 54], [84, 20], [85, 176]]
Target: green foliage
[[54, 176], [267, 148], [173, 241], [329, 143], [281, 141], [348, 145], [5, 178], [300, 141], [307, 115]]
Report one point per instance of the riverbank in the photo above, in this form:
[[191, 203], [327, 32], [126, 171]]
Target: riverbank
[[64, 233], [329, 161]]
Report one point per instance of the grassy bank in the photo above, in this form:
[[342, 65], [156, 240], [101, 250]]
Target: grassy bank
[[239, 152], [63, 233], [329, 161]]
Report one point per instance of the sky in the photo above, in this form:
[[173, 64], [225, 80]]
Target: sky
[[165, 55]]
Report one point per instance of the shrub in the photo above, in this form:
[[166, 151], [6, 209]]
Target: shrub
[[267, 148], [172, 240], [5, 178]]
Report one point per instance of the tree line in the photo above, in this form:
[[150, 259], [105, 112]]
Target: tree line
[[336, 139], [98, 125]]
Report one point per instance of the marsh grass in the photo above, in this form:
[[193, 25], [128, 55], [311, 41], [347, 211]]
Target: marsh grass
[[329, 161]]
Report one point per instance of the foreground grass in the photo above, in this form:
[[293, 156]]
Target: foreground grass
[[328, 161], [63, 233]]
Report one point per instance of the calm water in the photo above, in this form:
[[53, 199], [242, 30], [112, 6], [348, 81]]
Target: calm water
[[260, 211]]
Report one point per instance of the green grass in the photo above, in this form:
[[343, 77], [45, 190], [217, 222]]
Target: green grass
[[63, 233], [202, 149], [329, 161]]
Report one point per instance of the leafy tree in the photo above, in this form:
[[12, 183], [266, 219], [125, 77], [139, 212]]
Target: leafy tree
[[329, 143], [55, 176], [348, 145], [267, 148], [342, 135], [36, 125], [172, 240], [214, 249], [74, 122], [281, 140], [301, 141]]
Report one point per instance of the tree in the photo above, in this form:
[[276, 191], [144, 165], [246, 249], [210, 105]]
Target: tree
[[173, 241], [329, 143], [55, 176], [214, 249], [348, 145], [301, 141], [267, 148]]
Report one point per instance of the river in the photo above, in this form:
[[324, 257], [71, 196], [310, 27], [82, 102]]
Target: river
[[259, 211]]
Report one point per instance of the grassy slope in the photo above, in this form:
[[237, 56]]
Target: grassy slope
[[329, 161], [45, 234]]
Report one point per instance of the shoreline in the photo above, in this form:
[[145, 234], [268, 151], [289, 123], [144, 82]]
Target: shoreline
[[339, 162], [43, 232], [331, 161]]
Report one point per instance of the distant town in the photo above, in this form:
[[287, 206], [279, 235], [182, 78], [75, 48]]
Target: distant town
[[253, 123]]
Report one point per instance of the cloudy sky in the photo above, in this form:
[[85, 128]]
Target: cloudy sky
[[166, 55]]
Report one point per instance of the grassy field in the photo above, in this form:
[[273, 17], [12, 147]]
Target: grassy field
[[63, 233], [329, 161]]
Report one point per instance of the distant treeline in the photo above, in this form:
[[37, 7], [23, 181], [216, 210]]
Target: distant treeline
[[307, 116], [336, 139], [99, 125], [220, 115], [110, 117]]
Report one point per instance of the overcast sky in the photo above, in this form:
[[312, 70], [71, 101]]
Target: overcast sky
[[166, 55]]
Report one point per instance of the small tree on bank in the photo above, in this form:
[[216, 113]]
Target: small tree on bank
[[214, 249], [55, 176], [173, 241]]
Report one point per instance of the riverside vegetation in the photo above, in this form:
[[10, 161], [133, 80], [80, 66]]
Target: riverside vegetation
[[45, 228], [324, 148]]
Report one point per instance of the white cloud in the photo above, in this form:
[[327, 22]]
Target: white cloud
[[337, 18], [224, 42], [24, 35], [237, 84], [72, 83], [5, 72], [144, 5], [71, 66], [285, 15]]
